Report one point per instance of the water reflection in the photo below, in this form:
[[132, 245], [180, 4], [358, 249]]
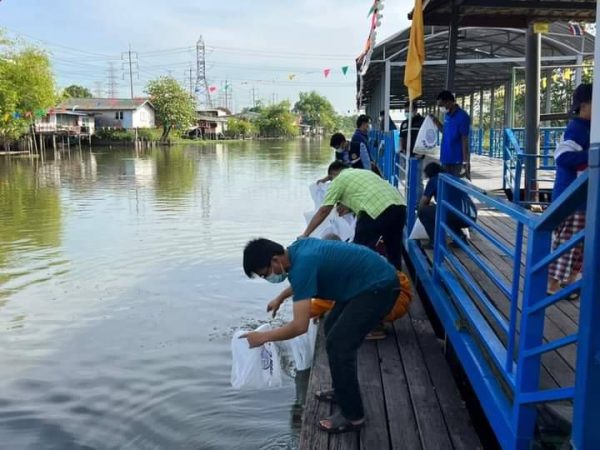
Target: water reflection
[[30, 220], [121, 284]]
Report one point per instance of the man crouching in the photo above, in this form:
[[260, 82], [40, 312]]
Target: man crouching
[[363, 285]]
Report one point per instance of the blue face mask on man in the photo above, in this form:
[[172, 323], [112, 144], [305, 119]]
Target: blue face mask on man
[[277, 277]]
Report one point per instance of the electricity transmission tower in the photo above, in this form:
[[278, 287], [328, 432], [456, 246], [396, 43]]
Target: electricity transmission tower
[[130, 59], [112, 80], [202, 91]]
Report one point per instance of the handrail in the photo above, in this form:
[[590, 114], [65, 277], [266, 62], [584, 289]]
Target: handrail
[[512, 346]]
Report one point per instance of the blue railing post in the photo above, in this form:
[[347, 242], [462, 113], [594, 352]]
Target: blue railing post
[[586, 432], [531, 336], [415, 189], [439, 240], [481, 135]]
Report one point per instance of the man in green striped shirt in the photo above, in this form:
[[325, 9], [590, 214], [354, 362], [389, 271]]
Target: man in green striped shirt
[[379, 207]]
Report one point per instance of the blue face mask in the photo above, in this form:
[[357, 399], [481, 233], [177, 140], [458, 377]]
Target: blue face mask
[[277, 277]]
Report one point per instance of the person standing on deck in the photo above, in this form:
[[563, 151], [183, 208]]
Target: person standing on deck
[[379, 207], [391, 123], [417, 121], [341, 147], [362, 283], [571, 158], [359, 144], [455, 155]]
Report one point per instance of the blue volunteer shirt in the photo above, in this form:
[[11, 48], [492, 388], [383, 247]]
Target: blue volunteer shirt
[[571, 155], [456, 125], [460, 200], [335, 270]]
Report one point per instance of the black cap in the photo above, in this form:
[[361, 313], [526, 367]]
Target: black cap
[[583, 94]]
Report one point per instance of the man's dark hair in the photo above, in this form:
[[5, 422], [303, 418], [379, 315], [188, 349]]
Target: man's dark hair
[[432, 169], [363, 118], [336, 166], [258, 254], [446, 96], [336, 140]]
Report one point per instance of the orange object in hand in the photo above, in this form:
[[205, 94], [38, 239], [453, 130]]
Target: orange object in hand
[[318, 306]]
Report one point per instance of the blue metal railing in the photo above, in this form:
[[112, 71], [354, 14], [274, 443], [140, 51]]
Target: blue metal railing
[[514, 163], [498, 352]]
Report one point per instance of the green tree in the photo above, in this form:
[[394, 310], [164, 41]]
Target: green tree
[[26, 87], [76, 91], [316, 111], [237, 127], [347, 124], [174, 106], [277, 121]]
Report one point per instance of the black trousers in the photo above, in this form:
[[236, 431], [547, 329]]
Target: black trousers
[[346, 327], [426, 215], [389, 225]]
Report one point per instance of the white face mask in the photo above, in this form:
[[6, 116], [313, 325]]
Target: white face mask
[[445, 110]]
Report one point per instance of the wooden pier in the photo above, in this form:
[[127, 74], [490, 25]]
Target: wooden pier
[[411, 399]]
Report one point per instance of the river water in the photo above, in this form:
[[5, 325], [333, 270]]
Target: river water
[[121, 284]]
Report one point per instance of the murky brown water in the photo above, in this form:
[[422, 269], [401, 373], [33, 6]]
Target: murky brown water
[[120, 286]]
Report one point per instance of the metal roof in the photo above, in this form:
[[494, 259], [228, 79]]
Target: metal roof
[[508, 13], [103, 104], [485, 58]]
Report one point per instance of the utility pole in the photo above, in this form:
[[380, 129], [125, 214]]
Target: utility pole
[[202, 90], [112, 80], [127, 57], [253, 97]]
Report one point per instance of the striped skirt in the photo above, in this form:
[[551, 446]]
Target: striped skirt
[[571, 262]]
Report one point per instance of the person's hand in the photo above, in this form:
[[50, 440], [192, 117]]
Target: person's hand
[[255, 338], [274, 305], [342, 210]]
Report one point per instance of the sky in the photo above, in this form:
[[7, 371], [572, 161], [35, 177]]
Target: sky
[[256, 46]]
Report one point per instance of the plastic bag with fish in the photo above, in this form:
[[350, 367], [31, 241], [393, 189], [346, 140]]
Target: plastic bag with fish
[[254, 368]]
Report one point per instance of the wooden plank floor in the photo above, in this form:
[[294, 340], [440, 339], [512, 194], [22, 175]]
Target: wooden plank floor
[[410, 397], [561, 319]]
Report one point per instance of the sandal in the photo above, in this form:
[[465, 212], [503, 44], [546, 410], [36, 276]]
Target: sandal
[[376, 335], [339, 424], [326, 395], [571, 297]]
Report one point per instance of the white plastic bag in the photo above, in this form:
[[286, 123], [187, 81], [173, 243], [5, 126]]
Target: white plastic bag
[[343, 227], [418, 231], [427, 139], [254, 368], [302, 347]]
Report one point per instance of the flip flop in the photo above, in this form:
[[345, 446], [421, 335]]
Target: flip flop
[[376, 335], [326, 395], [339, 424], [571, 297]]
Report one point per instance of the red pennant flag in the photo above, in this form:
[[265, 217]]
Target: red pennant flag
[[326, 72], [212, 88]]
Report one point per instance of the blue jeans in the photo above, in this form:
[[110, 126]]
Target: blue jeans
[[346, 327]]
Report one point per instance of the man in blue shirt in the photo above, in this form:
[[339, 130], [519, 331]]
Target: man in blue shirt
[[359, 144], [454, 152], [459, 200], [364, 287]]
